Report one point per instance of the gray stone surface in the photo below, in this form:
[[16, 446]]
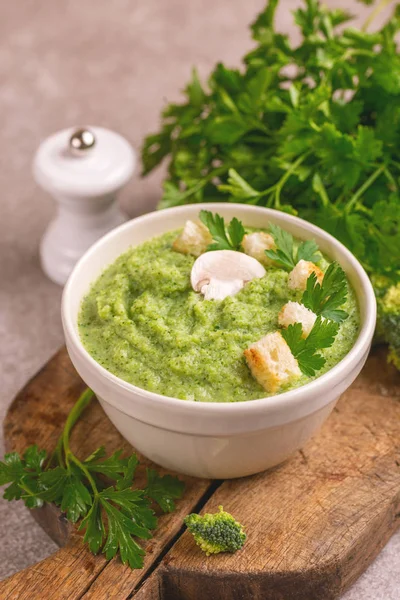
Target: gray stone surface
[[112, 64]]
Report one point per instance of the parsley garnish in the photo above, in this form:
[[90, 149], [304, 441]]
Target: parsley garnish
[[163, 490], [224, 238], [324, 299], [286, 254], [305, 350], [112, 516]]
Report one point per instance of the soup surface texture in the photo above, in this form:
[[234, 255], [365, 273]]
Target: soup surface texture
[[142, 321]]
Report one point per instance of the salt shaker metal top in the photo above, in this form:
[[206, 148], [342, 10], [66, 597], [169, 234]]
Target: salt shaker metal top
[[83, 169]]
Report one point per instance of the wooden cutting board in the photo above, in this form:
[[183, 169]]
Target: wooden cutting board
[[314, 524]]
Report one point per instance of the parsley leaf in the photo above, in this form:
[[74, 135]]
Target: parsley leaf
[[163, 489], [76, 498], [216, 226], [236, 232], [239, 189], [34, 458], [113, 467], [305, 350], [12, 469], [325, 299], [285, 254], [110, 516], [22, 476], [308, 250], [94, 526], [121, 528]]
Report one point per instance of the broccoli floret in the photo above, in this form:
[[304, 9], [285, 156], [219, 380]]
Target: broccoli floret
[[388, 326], [216, 533]]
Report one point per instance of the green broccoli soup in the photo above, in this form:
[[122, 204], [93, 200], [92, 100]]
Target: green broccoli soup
[[144, 321]]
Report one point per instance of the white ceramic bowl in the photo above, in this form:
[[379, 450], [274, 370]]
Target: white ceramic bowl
[[216, 440]]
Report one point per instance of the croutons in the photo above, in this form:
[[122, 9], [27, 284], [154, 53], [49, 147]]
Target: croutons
[[255, 244], [294, 312], [271, 362], [301, 272], [193, 240]]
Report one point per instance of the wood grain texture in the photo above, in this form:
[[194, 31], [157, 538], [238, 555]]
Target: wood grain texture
[[314, 523]]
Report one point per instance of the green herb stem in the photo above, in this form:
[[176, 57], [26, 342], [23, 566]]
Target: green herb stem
[[56, 454], [58, 451], [392, 180], [286, 176], [375, 12], [82, 402], [363, 188], [24, 486], [85, 471], [73, 416], [324, 196], [361, 208]]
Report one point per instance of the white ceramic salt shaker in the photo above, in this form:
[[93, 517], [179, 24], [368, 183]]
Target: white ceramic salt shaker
[[83, 169]]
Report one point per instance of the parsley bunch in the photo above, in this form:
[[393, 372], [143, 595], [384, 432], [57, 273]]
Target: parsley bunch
[[311, 129], [112, 515]]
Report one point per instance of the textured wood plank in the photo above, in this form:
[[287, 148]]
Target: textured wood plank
[[37, 416], [149, 591], [315, 523], [63, 576]]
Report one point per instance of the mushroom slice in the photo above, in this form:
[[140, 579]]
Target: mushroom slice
[[221, 273]]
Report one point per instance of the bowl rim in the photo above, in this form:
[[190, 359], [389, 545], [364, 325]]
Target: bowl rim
[[278, 401]]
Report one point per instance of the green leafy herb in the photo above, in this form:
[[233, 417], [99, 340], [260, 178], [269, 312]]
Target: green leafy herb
[[325, 299], [111, 516], [224, 238], [286, 254], [163, 489], [306, 350], [311, 129]]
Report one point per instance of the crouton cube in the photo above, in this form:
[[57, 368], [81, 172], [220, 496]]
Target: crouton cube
[[272, 363], [294, 312], [255, 244], [194, 239], [301, 272]]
